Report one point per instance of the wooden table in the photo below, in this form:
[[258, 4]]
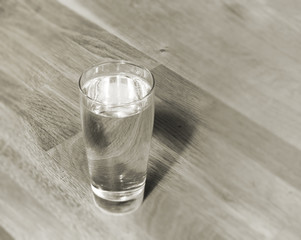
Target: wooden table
[[225, 160]]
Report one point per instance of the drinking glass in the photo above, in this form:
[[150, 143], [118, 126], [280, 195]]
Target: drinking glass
[[117, 115]]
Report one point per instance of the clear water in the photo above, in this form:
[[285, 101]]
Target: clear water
[[117, 138]]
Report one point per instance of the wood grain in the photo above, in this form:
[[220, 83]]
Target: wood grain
[[225, 156], [246, 54], [5, 235]]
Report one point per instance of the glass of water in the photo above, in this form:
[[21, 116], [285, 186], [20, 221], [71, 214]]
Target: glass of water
[[117, 113]]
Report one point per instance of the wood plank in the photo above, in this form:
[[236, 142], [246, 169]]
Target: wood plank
[[215, 194], [212, 114], [224, 162], [66, 197], [152, 221], [4, 234], [221, 125], [25, 217], [290, 233], [53, 46], [238, 189], [44, 114], [246, 54], [54, 68]]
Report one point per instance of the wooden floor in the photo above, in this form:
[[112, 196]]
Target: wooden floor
[[225, 161]]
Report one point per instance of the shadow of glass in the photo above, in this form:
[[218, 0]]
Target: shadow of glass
[[173, 131]]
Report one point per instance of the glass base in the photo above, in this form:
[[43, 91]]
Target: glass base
[[120, 202]]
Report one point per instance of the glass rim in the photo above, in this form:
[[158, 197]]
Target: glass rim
[[121, 62]]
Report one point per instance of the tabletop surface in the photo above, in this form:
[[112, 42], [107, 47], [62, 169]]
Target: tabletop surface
[[225, 160]]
